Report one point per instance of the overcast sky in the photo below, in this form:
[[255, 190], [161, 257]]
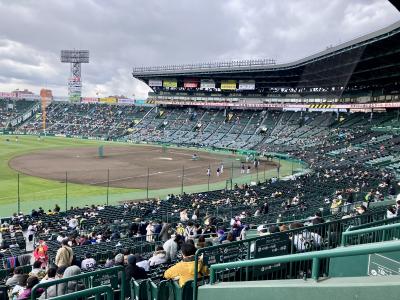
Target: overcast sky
[[121, 34]]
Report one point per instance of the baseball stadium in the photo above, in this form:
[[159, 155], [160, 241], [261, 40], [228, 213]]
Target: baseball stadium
[[233, 179]]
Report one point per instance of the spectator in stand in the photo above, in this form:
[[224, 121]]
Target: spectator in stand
[[183, 215], [65, 287], [243, 233], [133, 271], [37, 270], [305, 240], [89, 262], [150, 232], [221, 236], [19, 287], [317, 219], [361, 210], [73, 223], [184, 270], [159, 257], [60, 272], [201, 242], [40, 253], [229, 238], [50, 274], [265, 208], [171, 247], [27, 291], [180, 230], [190, 231], [391, 212], [119, 259], [165, 232], [57, 208], [126, 252], [16, 278], [273, 229], [64, 255], [157, 227], [31, 231], [61, 236], [142, 263]]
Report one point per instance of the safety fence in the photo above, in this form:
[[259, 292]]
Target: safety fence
[[162, 290], [375, 223], [304, 239], [314, 260], [113, 277], [371, 235], [100, 292]]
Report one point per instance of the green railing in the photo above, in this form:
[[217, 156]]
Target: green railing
[[325, 236], [315, 257], [106, 277], [371, 235], [164, 290], [100, 292], [375, 223]]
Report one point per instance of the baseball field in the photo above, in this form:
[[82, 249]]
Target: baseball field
[[70, 172]]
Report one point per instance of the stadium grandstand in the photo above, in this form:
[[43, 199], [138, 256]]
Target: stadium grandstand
[[330, 229]]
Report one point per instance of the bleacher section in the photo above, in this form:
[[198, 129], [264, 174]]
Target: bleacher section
[[351, 164]]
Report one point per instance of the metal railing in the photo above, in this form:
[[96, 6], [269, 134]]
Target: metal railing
[[207, 65], [315, 257], [100, 292], [113, 277], [376, 223], [306, 239], [371, 235]]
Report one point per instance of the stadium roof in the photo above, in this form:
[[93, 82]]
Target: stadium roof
[[367, 61]]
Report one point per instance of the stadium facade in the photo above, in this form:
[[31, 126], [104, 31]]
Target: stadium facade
[[363, 71]]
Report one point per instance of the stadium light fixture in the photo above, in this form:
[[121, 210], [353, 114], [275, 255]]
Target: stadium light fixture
[[75, 58]]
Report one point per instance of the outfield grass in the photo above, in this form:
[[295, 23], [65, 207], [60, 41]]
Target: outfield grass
[[35, 192]]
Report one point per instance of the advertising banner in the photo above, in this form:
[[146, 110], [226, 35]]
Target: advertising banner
[[155, 82], [207, 84], [170, 83], [228, 85], [126, 101], [6, 95], [109, 100], [247, 85], [190, 83], [89, 100]]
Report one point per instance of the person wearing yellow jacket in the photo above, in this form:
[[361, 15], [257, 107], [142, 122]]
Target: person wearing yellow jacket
[[184, 270]]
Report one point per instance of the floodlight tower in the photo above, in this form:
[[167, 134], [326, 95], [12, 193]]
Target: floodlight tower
[[75, 58]]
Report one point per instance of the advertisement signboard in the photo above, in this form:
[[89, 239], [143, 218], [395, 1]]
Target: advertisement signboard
[[155, 82], [247, 85], [170, 83], [228, 85], [89, 100], [109, 100], [207, 84], [190, 83], [126, 101]]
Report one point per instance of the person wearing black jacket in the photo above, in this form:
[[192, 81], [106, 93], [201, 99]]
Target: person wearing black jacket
[[133, 271]]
